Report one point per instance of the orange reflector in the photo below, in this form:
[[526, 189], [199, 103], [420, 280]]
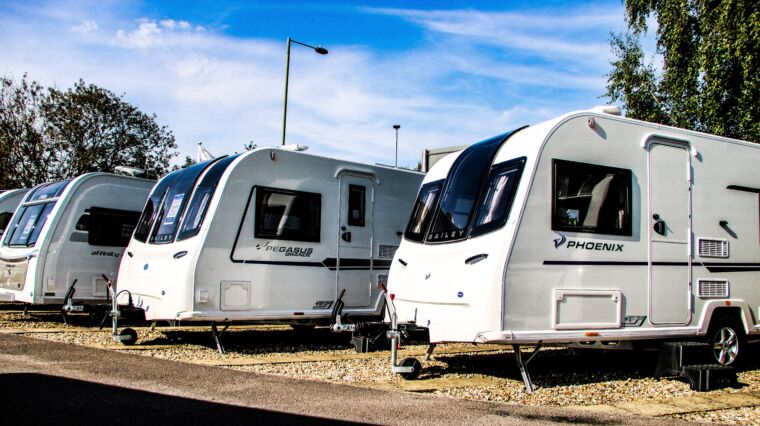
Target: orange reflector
[[590, 334], [728, 303]]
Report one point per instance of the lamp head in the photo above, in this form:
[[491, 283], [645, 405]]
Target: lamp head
[[321, 50], [396, 126]]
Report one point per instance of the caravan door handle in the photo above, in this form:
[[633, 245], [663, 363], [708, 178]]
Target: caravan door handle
[[346, 236], [659, 224]]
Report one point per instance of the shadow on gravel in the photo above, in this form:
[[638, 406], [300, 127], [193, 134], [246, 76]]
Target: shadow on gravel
[[564, 367], [38, 399], [259, 341]]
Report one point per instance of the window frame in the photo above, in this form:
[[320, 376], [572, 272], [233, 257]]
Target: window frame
[[258, 233], [352, 189], [419, 237], [627, 174], [96, 238], [518, 165]]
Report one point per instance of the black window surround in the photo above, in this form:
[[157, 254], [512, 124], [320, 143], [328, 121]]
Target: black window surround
[[591, 198], [283, 214], [356, 205]]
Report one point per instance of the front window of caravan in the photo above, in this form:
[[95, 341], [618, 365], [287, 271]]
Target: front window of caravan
[[498, 196], [422, 211], [591, 198], [287, 215], [27, 222], [174, 202], [462, 189], [198, 206], [149, 213], [27, 230]]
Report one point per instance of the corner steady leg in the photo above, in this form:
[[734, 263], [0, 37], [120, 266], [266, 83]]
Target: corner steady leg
[[429, 352], [26, 312], [523, 366], [217, 336]]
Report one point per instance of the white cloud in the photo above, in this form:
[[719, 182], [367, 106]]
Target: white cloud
[[85, 27], [225, 91]]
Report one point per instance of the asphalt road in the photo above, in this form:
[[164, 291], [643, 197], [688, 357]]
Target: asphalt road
[[44, 382]]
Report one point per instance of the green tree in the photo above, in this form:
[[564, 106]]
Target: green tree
[[95, 130], [708, 56], [24, 152], [49, 134]]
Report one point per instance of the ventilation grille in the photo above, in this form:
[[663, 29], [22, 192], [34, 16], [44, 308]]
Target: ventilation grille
[[387, 252], [713, 288], [713, 248]]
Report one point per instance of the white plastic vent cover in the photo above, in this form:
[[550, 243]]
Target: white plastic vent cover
[[387, 252], [713, 248], [713, 288]]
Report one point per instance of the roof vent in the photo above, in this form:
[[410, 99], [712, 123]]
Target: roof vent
[[294, 147], [607, 109]]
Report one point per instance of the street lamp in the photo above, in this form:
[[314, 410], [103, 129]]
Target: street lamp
[[319, 49], [396, 126]]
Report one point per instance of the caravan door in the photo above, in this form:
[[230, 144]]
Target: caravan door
[[355, 234], [669, 233]]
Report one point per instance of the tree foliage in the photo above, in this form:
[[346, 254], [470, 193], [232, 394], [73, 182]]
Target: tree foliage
[[704, 74], [49, 134]]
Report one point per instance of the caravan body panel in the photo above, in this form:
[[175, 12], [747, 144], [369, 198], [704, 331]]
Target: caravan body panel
[[284, 233], [619, 229], [67, 231]]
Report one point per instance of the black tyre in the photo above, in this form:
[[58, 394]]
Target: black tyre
[[128, 337], [728, 340], [416, 368]]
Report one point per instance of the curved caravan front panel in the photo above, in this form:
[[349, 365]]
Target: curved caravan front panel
[[70, 231], [157, 270], [446, 275]]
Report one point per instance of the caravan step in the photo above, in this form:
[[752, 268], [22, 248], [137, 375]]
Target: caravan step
[[709, 377], [675, 355]]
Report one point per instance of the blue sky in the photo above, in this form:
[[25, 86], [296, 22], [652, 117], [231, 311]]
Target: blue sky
[[449, 73]]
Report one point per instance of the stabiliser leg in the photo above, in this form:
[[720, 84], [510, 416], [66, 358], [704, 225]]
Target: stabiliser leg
[[409, 368], [217, 336], [523, 366], [429, 352]]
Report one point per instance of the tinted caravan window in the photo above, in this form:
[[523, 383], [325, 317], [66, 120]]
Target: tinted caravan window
[[287, 215], [198, 206], [173, 205], [110, 227], [462, 189], [591, 198], [31, 220], [356, 205], [5, 218], [148, 217], [422, 211], [498, 196]]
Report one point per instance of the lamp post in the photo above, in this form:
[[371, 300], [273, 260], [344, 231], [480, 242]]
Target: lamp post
[[396, 126], [319, 49]]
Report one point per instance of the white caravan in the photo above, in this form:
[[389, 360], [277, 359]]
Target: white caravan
[[270, 235], [9, 200], [67, 231], [586, 228]]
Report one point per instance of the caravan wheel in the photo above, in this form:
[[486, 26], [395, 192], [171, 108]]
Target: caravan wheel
[[728, 341], [416, 368], [128, 336]]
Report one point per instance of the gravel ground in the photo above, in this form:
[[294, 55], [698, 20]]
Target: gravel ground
[[563, 377]]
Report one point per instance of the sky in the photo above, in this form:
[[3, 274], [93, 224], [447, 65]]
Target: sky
[[448, 72]]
